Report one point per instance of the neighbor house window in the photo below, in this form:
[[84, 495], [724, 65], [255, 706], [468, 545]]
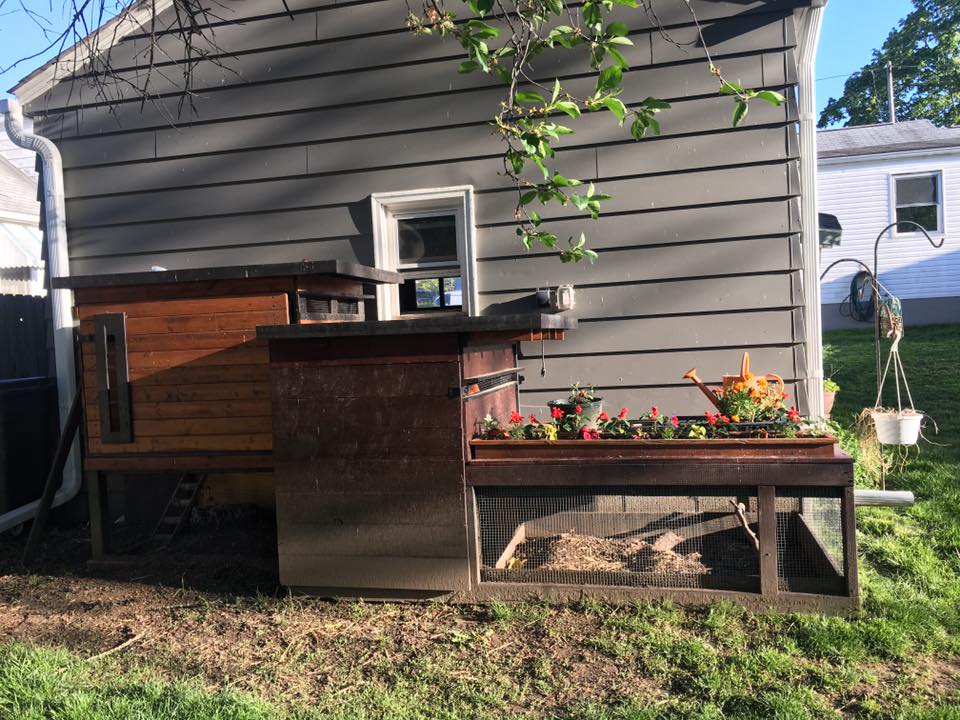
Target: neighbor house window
[[917, 198], [426, 236]]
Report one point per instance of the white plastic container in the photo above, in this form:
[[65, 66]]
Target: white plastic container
[[901, 428]]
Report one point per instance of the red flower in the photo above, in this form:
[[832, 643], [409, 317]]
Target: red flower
[[725, 418], [784, 396], [654, 412], [675, 421], [603, 417], [578, 409], [589, 434], [711, 419], [556, 413], [533, 419], [516, 417], [793, 414], [623, 413]]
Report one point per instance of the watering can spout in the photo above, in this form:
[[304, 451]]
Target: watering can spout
[[711, 396]]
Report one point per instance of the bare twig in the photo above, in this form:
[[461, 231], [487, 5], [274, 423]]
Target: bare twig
[[118, 648], [741, 511]]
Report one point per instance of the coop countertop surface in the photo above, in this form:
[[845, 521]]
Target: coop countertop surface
[[329, 268], [420, 326]]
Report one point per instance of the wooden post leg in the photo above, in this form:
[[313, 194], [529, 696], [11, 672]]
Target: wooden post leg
[[767, 505], [97, 497], [849, 526]]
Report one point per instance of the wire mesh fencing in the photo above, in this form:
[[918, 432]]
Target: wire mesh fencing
[[810, 557]]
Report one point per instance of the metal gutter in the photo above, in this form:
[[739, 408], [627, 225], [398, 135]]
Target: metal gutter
[[809, 22], [61, 301]]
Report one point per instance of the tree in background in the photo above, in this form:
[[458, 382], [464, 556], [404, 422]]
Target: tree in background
[[925, 52]]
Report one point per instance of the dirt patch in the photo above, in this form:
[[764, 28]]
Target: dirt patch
[[587, 553]]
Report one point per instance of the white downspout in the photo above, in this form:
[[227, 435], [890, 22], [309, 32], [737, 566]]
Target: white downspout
[[61, 301], [809, 23]]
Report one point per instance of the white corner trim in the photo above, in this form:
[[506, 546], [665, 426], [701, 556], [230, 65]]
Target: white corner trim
[[385, 205], [809, 23], [74, 59]]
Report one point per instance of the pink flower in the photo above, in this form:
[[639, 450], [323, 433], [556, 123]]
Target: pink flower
[[675, 421], [516, 417], [654, 412], [603, 417], [589, 434], [578, 410], [556, 413], [623, 413]]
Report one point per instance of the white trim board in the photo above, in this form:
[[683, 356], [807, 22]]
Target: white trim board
[[385, 206], [74, 59]]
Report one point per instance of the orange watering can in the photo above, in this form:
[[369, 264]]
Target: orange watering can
[[770, 384]]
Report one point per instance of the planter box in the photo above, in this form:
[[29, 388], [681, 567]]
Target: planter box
[[806, 447]]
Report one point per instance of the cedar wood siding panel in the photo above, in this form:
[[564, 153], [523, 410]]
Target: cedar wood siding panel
[[701, 241]]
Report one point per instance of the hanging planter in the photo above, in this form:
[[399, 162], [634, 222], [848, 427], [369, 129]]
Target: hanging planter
[[897, 427]]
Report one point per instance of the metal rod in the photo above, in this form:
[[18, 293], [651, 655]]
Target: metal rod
[[891, 103]]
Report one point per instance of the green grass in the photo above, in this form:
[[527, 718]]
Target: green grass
[[650, 661]]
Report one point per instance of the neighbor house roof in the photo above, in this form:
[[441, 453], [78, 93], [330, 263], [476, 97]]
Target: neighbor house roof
[[885, 138], [18, 193]]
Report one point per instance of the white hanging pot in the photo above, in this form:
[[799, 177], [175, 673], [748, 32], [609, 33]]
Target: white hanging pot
[[897, 428]]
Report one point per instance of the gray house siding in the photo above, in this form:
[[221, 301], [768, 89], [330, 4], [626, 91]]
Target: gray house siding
[[275, 159]]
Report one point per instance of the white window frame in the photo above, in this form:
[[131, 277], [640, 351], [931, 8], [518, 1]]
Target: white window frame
[[893, 202], [388, 207]]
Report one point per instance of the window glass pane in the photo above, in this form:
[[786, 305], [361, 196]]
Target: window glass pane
[[427, 239], [925, 215], [428, 293], [453, 292], [917, 190]]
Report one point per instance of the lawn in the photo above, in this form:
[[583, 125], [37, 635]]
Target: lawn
[[212, 655]]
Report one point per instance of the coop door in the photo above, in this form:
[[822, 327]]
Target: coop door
[[113, 380]]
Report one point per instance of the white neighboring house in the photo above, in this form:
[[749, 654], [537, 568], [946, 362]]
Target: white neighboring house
[[873, 175], [21, 241]]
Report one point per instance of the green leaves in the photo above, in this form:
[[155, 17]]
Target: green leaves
[[481, 7], [740, 112], [608, 80], [616, 106], [529, 96]]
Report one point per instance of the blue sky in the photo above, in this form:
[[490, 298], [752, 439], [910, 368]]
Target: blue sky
[[851, 30]]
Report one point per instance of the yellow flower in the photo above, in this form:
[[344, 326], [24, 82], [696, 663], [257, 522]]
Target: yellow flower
[[735, 418]]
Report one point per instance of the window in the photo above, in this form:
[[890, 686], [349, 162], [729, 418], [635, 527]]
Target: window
[[917, 198], [427, 236]]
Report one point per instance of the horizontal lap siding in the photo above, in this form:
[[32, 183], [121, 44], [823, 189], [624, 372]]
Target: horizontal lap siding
[[700, 243]]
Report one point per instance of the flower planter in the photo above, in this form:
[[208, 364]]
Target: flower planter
[[589, 411], [900, 428], [828, 400], [526, 450]]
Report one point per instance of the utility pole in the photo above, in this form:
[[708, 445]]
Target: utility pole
[[890, 102]]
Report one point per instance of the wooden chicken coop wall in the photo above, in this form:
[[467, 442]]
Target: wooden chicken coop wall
[[199, 378]]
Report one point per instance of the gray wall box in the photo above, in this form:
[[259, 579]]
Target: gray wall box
[[700, 247]]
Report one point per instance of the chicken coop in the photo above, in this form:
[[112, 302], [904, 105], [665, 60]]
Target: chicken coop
[[383, 492]]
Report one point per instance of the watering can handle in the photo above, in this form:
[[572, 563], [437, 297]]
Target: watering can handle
[[778, 380]]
